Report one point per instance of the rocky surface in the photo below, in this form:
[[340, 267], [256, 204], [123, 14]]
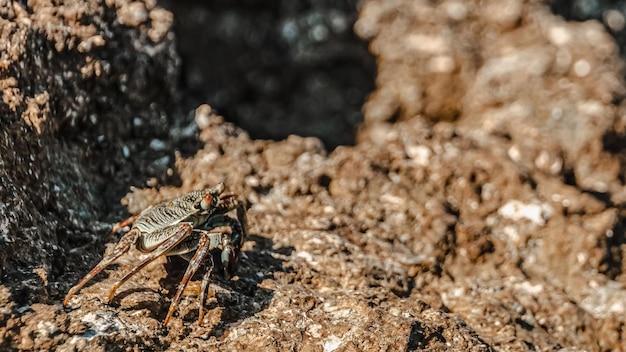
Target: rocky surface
[[479, 210], [71, 98]]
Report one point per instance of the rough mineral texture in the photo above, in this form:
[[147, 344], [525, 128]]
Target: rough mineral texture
[[480, 210]]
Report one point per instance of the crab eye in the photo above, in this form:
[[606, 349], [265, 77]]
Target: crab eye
[[207, 199]]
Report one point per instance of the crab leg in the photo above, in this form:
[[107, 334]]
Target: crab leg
[[203, 291], [175, 234], [207, 242], [122, 247], [120, 225], [243, 221]]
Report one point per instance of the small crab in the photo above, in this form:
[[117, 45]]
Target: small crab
[[187, 226]]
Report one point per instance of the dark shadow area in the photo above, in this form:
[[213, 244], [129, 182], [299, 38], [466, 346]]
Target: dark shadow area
[[578, 10], [416, 337], [615, 143], [64, 178], [243, 297], [611, 13], [524, 324], [155, 307], [611, 264], [276, 67], [26, 288], [569, 178], [419, 338], [122, 293]]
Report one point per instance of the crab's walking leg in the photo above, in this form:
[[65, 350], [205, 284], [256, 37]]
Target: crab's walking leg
[[122, 247], [204, 290], [243, 221], [175, 235], [207, 242], [122, 224]]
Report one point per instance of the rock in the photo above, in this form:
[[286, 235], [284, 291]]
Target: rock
[[478, 211]]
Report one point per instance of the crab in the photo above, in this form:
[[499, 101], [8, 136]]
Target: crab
[[190, 226]]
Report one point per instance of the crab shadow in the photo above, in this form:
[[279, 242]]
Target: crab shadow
[[239, 298]]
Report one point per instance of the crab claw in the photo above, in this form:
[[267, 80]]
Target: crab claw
[[230, 257]]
